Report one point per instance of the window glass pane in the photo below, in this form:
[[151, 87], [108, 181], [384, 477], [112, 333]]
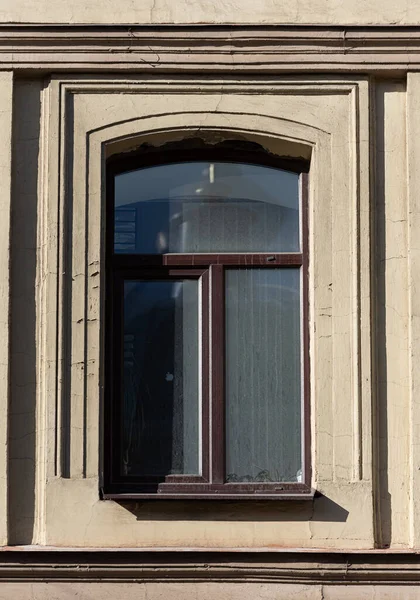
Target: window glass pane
[[263, 375], [160, 426], [206, 207]]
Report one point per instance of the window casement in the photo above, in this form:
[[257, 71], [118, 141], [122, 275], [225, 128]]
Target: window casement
[[207, 352]]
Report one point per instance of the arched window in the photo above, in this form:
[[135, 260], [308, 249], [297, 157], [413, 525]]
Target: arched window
[[207, 333]]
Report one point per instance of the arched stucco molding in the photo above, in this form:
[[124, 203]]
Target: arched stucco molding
[[280, 136]]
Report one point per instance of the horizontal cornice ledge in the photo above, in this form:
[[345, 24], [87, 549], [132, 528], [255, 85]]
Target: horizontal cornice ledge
[[214, 48], [170, 565]]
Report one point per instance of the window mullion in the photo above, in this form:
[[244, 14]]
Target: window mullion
[[205, 375]]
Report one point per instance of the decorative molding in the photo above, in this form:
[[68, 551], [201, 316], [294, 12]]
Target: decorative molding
[[257, 49], [83, 116], [413, 215], [169, 565], [65, 89]]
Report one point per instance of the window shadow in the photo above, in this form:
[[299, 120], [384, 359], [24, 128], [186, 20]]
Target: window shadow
[[321, 509], [22, 408], [383, 498]]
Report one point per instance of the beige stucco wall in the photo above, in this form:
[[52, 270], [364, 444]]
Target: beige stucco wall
[[298, 12], [329, 116], [359, 244], [354, 129], [204, 591], [64, 124], [361, 132]]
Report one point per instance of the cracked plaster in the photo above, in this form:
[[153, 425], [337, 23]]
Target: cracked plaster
[[332, 12], [73, 512]]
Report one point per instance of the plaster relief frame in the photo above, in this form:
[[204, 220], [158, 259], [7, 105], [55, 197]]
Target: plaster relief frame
[[85, 119]]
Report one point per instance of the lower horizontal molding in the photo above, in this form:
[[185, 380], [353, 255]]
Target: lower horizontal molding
[[378, 568]]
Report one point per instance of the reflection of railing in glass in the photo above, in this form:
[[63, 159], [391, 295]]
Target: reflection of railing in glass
[[125, 229]]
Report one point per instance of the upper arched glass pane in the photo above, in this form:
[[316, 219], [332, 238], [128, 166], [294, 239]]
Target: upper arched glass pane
[[205, 206]]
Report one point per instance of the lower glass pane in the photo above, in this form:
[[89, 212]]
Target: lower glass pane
[[160, 422], [263, 375]]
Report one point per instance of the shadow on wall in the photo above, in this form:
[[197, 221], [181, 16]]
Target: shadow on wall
[[26, 129], [322, 509], [383, 534]]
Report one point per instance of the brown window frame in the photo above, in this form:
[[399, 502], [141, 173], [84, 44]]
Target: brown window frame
[[210, 268]]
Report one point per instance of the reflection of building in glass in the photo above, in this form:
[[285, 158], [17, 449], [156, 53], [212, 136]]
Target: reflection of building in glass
[[204, 225], [222, 207]]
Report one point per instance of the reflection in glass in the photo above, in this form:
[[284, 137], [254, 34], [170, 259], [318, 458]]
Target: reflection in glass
[[263, 375], [160, 427], [206, 207]]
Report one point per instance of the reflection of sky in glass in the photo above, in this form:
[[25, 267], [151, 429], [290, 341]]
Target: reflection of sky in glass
[[206, 207], [194, 179]]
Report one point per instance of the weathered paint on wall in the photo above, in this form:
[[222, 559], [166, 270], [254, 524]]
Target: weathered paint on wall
[[361, 133], [329, 117], [204, 591], [318, 117], [391, 311], [298, 12]]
